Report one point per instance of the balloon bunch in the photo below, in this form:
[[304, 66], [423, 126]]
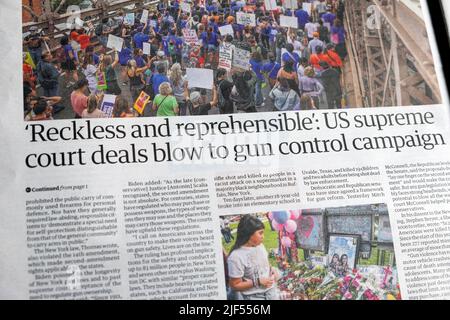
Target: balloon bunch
[[284, 222]]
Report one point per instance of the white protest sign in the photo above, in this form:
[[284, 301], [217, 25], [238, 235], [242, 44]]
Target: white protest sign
[[144, 17], [200, 78], [79, 23], [307, 7], [226, 56], [241, 58], [146, 48], [153, 23], [115, 43], [290, 4], [185, 7], [270, 5], [107, 105], [130, 18], [227, 29], [246, 19], [286, 21], [190, 36]]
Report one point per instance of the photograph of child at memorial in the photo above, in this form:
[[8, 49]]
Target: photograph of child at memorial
[[341, 253], [208, 57]]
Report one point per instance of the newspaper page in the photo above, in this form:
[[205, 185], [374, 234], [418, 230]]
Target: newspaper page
[[317, 168]]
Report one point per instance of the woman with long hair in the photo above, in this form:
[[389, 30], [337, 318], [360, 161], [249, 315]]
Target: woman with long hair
[[78, 97], [121, 108], [135, 75], [289, 73], [249, 270], [90, 71], [284, 98], [92, 110], [177, 83]]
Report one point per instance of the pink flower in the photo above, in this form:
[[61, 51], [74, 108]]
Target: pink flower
[[348, 295], [347, 279]]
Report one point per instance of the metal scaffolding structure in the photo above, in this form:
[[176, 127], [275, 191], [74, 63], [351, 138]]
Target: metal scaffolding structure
[[393, 63]]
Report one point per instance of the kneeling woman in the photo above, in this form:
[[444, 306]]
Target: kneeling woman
[[248, 264]]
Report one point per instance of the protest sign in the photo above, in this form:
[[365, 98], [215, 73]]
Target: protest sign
[[246, 19], [115, 43], [185, 7], [241, 58], [200, 78], [130, 19], [146, 48], [190, 36], [270, 5], [107, 105], [226, 56], [307, 7], [290, 4], [286, 21], [227, 29], [144, 17], [141, 103]]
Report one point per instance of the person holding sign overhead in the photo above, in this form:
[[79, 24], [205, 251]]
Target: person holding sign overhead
[[107, 66], [194, 101]]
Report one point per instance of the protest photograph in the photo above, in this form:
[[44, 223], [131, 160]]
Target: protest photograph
[[343, 253], [145, 58]]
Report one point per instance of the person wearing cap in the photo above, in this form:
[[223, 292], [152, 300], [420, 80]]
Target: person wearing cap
[[195, 103], [34, 43]]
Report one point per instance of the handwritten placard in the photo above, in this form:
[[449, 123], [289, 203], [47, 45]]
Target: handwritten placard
[[226, 57], [185, 7], [288, 22], [146, 48], [227, 29], [190, 36], [270, 5], [246, 19], [130, 19], [241, 58], [144, 17], [115, 43]]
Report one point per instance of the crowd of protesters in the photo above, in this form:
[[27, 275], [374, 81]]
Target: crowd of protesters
[[302, 66]]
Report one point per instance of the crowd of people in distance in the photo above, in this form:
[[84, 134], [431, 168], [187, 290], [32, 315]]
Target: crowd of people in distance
[[288, 69]]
